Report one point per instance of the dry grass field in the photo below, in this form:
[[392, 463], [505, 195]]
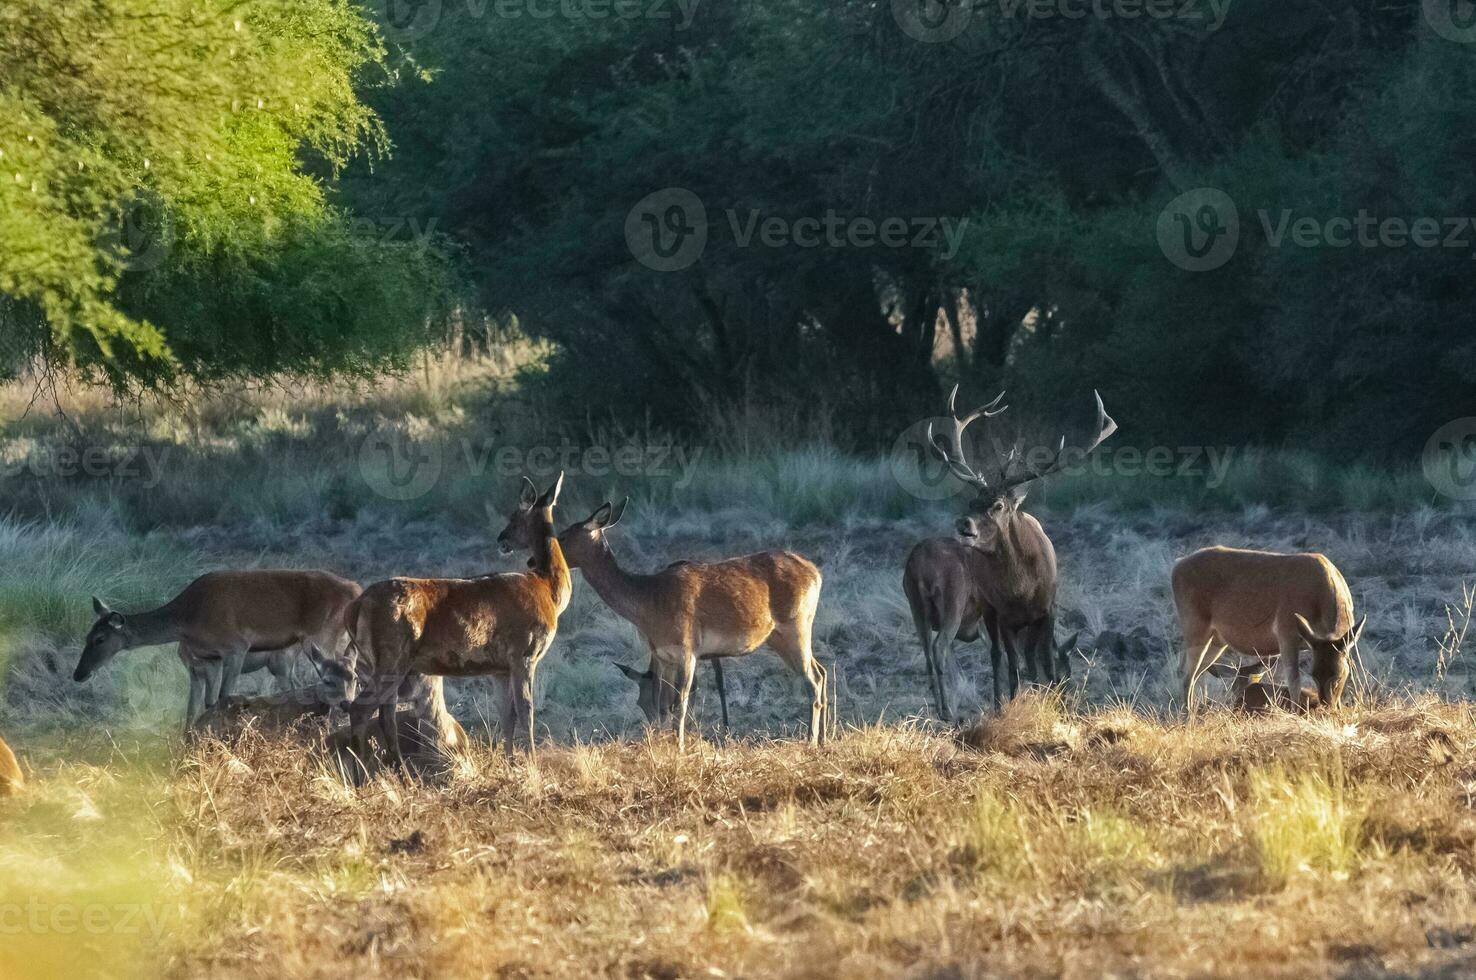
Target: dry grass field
[[1092, 834]]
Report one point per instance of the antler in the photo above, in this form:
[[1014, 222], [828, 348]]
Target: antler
[[1105, 427], [953, 454]]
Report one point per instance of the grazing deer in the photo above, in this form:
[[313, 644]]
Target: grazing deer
[[652, 688], [11, 780], [1264, 606], [226, 623], [497, 624], [1018, 560], [692, 611]]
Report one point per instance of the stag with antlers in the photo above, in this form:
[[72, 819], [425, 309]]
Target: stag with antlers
[[1016, 578]]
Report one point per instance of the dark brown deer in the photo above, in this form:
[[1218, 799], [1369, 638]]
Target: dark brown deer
[[1017, 559], [944, 584]]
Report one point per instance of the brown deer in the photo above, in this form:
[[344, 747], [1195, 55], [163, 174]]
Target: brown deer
[[944, 583], [1265, 606], [1018, 560], [226, 623], [694, 610], [11, 780], [497, 624]]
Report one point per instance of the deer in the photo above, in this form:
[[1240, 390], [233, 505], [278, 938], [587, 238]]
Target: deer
[[651, 688], [225, 624], [944, 584], [943, 580], [500, 624], [693, 610], [1015, 556], [1265, 606], [11, 780]]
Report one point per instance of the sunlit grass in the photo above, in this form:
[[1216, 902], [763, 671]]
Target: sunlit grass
[[1305, 822]]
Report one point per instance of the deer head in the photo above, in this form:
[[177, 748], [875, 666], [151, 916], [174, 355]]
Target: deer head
[[108, 636], [585, 541], [998, 496], [1330, 657], [525, 522]]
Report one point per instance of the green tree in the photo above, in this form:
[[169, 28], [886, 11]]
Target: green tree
[[162, 190]]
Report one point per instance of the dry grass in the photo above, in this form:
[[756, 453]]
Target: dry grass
[[1068, 844]]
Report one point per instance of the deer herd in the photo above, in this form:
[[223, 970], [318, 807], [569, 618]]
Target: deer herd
[[386, 647]]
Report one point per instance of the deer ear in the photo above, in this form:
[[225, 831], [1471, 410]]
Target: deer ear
[[630, 672], [1308, 633], [618, 513], [551, 495], [1354, 634], [528, 496], [1017, 497], [316, 658], [1070, 644], [100, 607]]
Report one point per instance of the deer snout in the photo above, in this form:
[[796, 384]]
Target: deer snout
[[965, 528]]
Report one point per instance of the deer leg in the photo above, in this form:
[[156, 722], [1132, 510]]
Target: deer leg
[[1289, 647], [685, 672], [1195, 658], [792, 642], [717, 673], [943, 665], [509, 717], [199, 679], [230, 672], [279, 664], [925, 637], [996, 657], [529, 710], [1012, 655]]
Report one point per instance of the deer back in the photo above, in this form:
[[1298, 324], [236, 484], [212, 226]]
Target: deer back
[[270, 609], [733, 604], [944, 578], [1248, 597]]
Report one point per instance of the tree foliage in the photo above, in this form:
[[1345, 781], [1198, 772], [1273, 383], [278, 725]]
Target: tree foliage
[[1058, 141], [162, 189]]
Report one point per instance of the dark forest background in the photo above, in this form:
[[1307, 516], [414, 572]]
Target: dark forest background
[[326, 187]]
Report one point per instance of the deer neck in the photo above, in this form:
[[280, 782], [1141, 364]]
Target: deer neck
[[548, 560], [153, 628], [617, 588], [1017, 560]]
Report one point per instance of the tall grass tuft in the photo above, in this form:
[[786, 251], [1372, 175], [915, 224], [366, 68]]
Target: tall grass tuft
[[1308, 822]]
